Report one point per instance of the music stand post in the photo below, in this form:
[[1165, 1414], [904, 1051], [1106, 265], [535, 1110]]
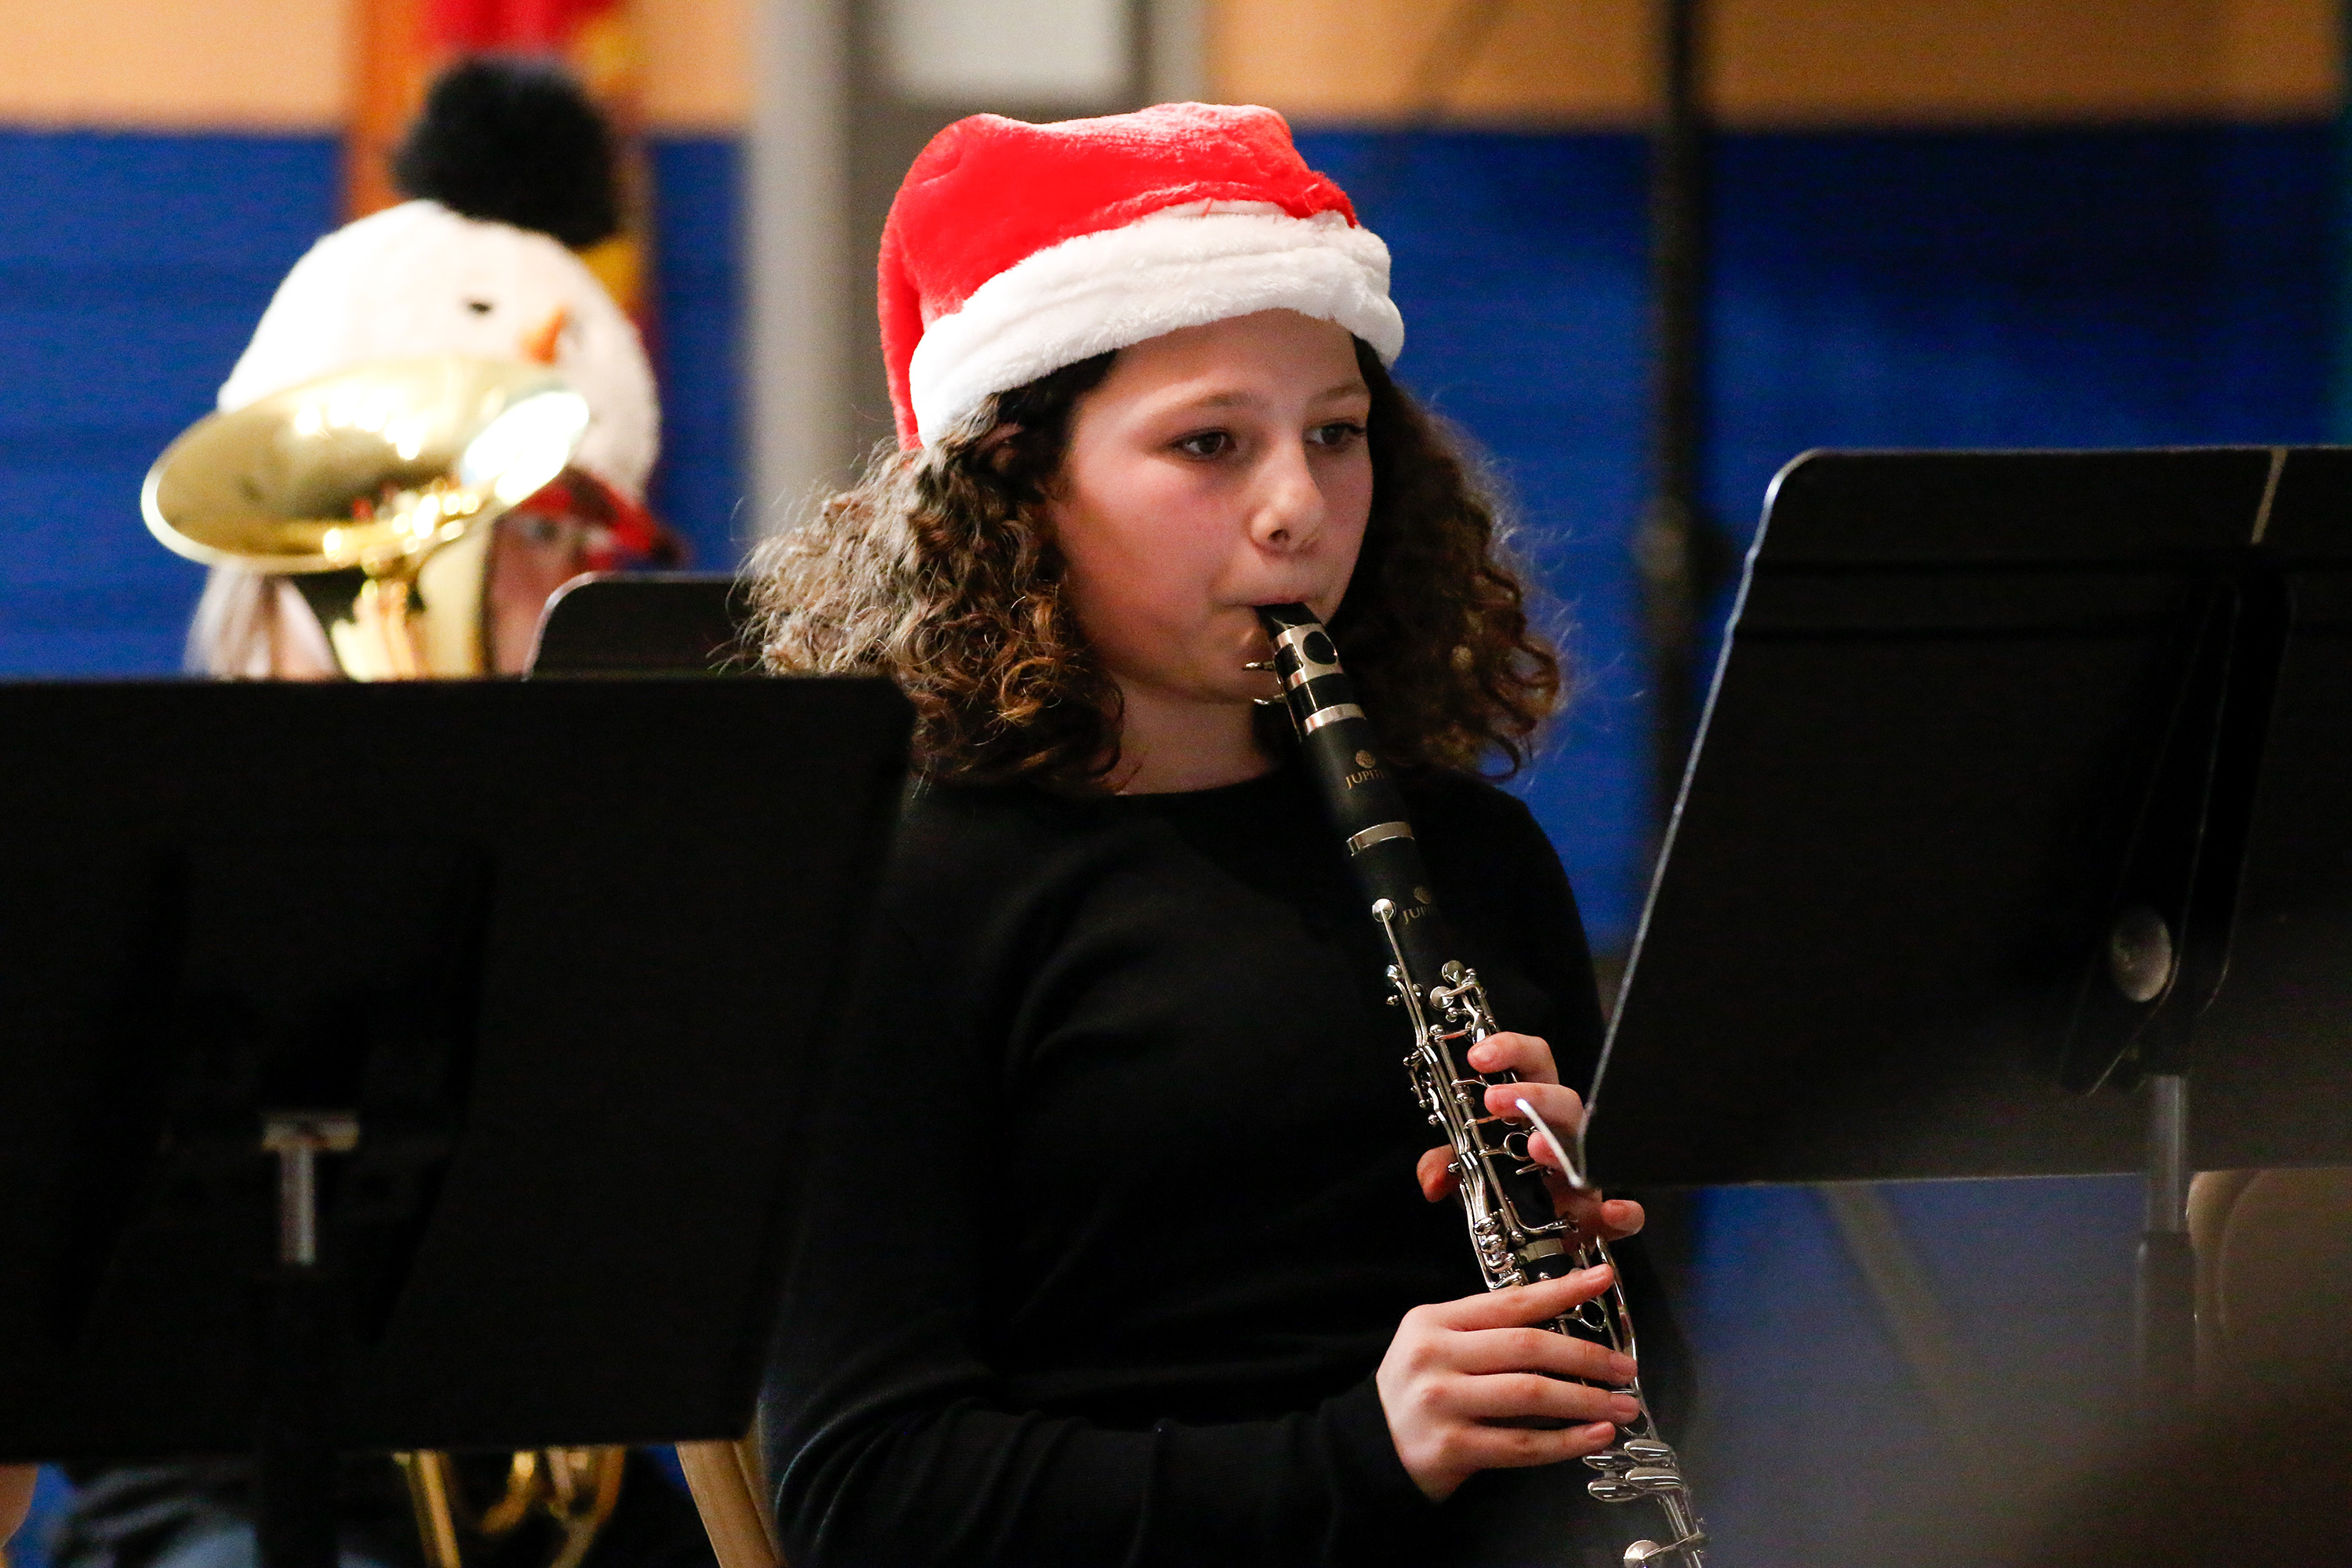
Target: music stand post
[[414, 1066], [2175, 905], [2164, 1288], [2016, 814], [294, 1442]]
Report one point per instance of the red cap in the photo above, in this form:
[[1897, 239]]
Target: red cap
[[1014, 250]]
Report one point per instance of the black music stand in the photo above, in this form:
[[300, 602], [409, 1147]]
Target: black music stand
[[520, 984], [2019, 806], [612, 623]]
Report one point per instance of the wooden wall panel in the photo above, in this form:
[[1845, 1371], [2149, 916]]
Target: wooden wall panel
[[698, 68], [2281, 57], [1808, 61], [176, 64], [1783, 62], [289, 65], [1486, 61], [284, 64]]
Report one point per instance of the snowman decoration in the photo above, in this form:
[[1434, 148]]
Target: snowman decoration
[[509, 170]]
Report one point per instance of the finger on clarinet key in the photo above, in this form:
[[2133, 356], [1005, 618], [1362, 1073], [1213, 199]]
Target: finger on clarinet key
[[1561, 1106], [1622, 1217], [1517, 1306], [1507, 1051], [1535, 1347], [1545, 1141]]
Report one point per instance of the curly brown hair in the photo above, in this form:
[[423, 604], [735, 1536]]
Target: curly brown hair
[[938, 569]]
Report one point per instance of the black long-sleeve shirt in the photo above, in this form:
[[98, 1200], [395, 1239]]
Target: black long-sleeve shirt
[[1113, 1211]]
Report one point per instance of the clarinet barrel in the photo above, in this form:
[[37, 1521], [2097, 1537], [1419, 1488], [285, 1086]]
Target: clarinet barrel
[[1515, 1230]]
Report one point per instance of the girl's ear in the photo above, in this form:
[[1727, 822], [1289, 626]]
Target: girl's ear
[[995, 448]]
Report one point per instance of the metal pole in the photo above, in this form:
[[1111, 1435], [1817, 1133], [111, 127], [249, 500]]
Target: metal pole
[[1672, 547], [801, 281], [294, 1353], [2165, 1305]]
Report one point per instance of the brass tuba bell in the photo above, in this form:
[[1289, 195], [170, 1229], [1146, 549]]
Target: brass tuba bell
[[373, 489]]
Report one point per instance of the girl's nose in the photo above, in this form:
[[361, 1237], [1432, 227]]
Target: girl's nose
[[1289, 510]]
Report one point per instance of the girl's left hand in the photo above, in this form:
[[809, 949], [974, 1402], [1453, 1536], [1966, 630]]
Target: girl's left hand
[[1539, 1086]]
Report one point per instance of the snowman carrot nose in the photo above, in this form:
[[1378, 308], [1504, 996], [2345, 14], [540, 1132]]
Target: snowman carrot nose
[[538, 343]]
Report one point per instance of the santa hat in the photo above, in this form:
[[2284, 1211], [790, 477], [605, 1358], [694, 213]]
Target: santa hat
[[1015, 249], [466, 270]]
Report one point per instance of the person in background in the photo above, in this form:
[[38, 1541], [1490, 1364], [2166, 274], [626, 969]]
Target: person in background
[[1123, 1240], [2273, 1280], [510, 170]]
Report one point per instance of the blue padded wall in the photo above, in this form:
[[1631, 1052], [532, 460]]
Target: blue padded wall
[[133, 267], [1518, 265], [2061, 287], [131, 270], [2058, 287], [2068, 288], [699, 488], [2081, 287]]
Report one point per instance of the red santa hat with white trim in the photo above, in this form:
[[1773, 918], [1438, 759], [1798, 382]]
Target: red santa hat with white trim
[[1013, 250]]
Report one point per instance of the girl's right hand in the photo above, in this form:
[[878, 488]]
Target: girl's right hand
[[1457, 1372]]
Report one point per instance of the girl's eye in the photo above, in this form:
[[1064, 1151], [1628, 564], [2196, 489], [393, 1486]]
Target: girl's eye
[[1207, 444], [1339, 433]]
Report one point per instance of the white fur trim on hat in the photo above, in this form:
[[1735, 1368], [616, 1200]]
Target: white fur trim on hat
[[1180, 268]]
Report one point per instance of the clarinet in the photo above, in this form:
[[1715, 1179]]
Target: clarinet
[[1513, 1228]]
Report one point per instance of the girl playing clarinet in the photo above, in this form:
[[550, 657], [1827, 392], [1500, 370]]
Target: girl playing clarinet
[[1123, 1243]]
